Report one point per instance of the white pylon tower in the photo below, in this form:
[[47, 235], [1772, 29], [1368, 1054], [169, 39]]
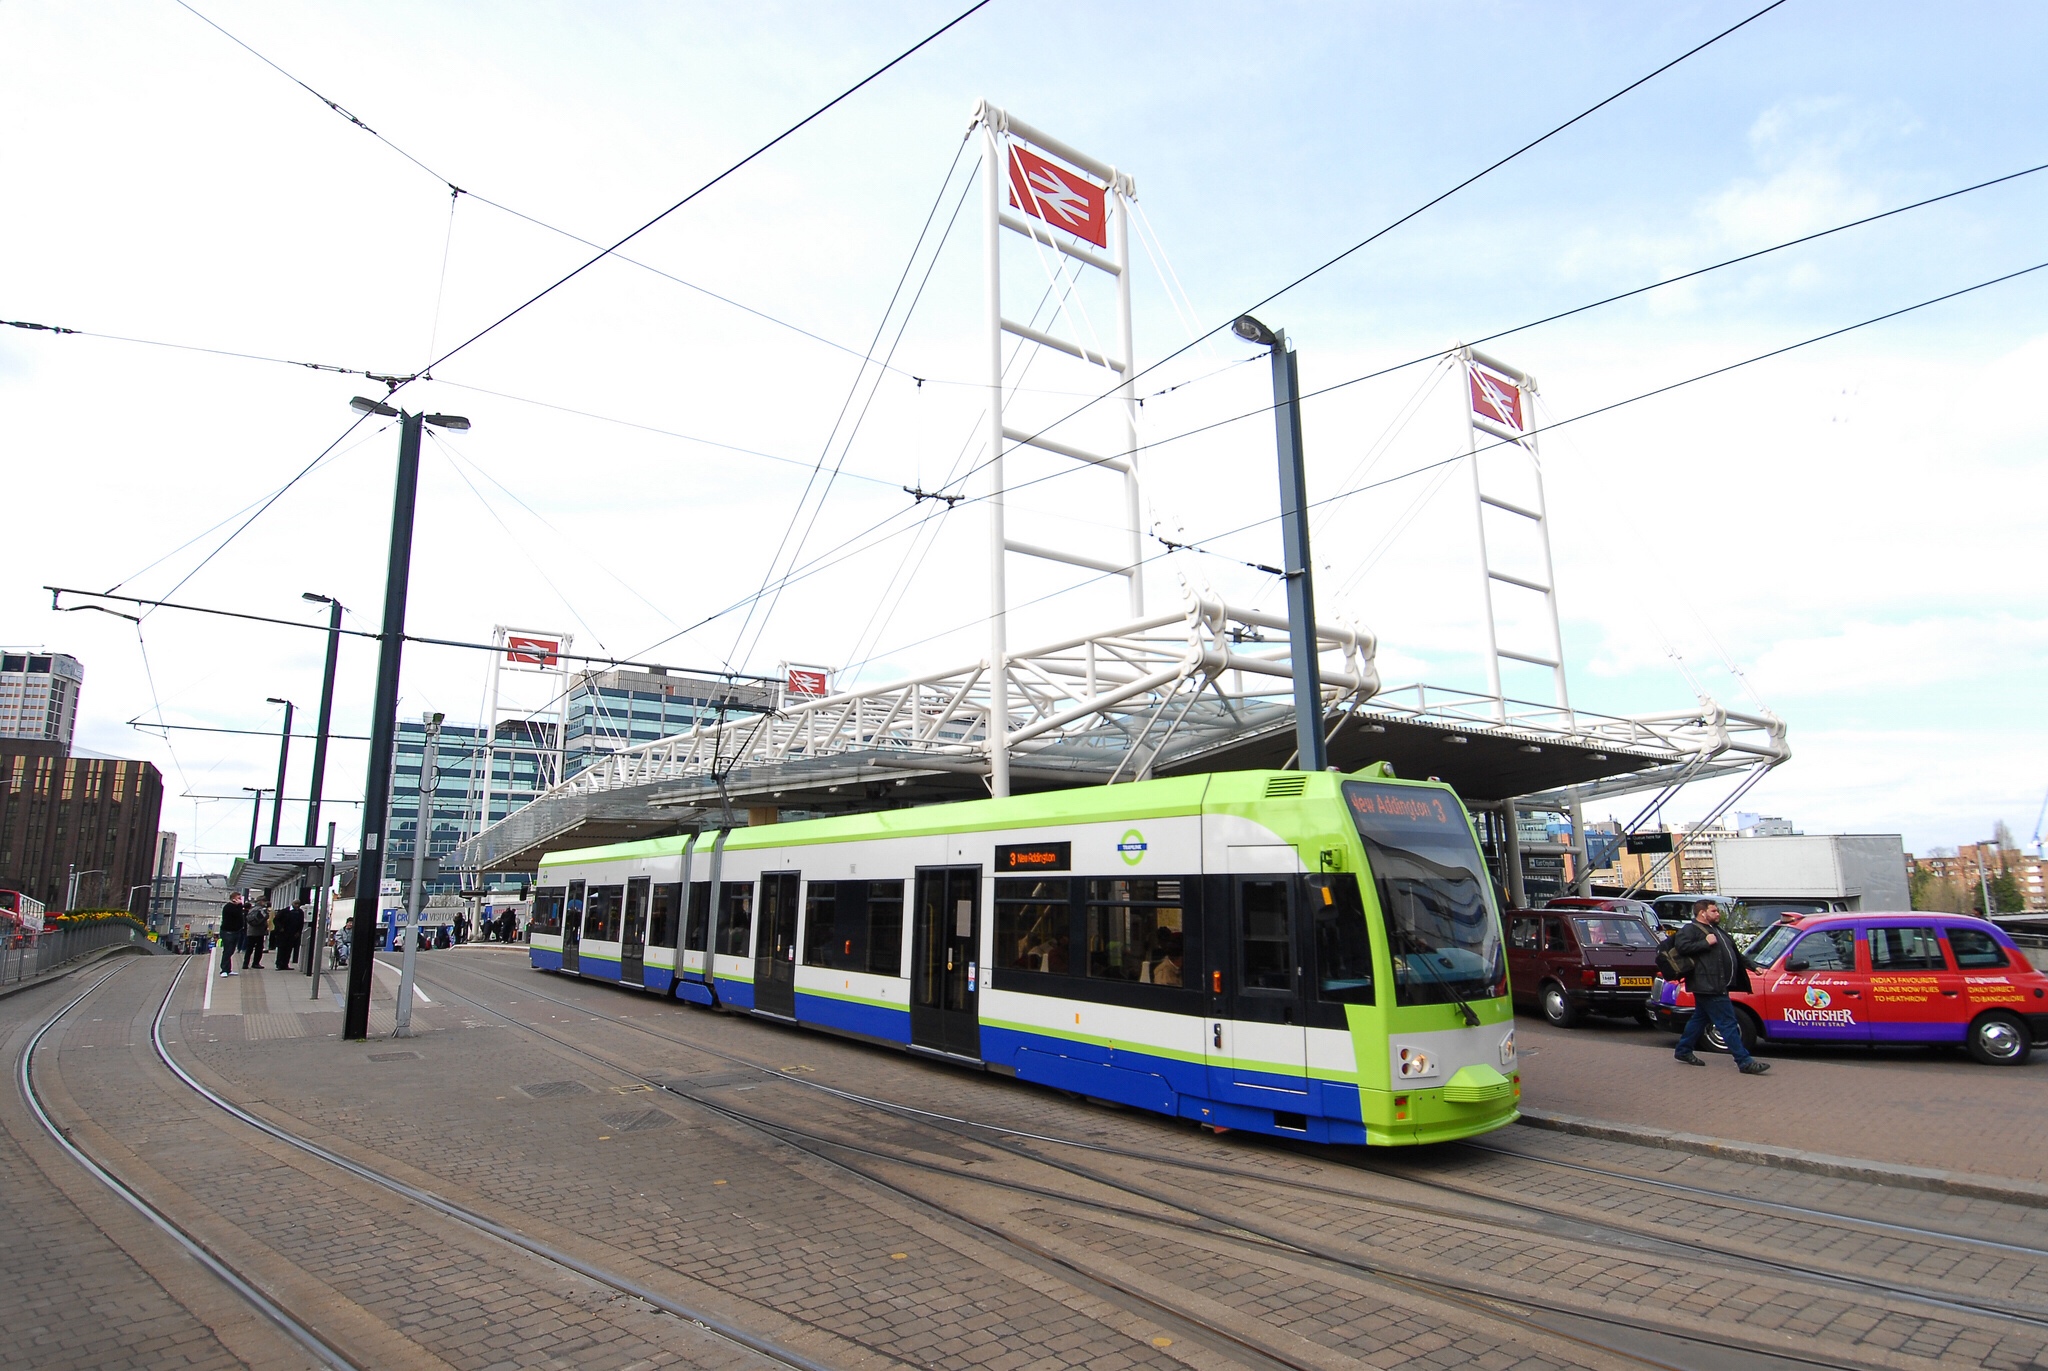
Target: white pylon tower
[[1500, 403], [1061, 210], [538, 711]]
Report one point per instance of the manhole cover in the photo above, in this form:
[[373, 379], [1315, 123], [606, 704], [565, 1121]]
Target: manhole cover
[[394, 1056], [637, 1122], [549, 1089]]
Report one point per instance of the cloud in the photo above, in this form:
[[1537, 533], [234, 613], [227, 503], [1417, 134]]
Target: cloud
[[1892, 657]]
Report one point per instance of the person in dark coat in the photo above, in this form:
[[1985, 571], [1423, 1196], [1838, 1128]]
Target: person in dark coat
[[233, 920], [1718, 967], [255, 924], [290, 926]]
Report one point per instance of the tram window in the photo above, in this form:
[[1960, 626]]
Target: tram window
[[700, 905], [735, 918], [1343, 946], [601, 921], [821, 935], [547, 909], [1034, 924], [885, 927], [661, 917], [1136, 931], [1268, 935]]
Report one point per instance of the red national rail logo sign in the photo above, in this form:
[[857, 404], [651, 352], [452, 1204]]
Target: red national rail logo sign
[[1496, 398], [533, 651], [807, 682], [1062, 198]]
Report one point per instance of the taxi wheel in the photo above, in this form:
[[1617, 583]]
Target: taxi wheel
[[1999, 1039], [1557, 1006], [1750, 1036]]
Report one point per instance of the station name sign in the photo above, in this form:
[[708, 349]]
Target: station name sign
[[1035, 857], [271, 854]]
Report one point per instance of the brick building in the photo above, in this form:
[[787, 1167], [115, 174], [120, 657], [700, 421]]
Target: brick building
[[61, 813], [1960, 869]]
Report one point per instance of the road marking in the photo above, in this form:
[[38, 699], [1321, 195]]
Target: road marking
[[424, 998], [207, 1003]]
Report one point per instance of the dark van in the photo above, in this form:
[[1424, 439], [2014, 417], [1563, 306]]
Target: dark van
[[1572, 962]]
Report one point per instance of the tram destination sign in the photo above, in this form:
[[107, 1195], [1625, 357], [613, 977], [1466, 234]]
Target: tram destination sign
[[1035, 857]]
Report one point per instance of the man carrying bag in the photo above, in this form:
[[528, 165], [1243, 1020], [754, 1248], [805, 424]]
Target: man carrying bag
[[1712, 966]]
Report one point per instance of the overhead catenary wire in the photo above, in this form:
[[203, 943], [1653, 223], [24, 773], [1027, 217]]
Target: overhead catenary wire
[[853, 388], [1420, 209]]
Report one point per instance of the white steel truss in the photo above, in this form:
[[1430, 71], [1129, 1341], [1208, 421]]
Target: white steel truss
[[540, 731], [1510, 395], [1046, 196]]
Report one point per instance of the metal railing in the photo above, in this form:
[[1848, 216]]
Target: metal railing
[[26, 956]]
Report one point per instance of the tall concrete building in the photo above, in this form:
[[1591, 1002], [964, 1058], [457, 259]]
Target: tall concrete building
[[39, 695]]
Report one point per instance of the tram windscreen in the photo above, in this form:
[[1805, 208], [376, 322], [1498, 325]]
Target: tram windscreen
[[1433, 894]]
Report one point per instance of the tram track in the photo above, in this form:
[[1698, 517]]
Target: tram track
[[330, 1351], [1618, 1231], [219, 1264], [1495, 1305]]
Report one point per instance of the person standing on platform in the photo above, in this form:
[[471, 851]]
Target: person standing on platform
[[233, 920], [291, 924], [255, 923]]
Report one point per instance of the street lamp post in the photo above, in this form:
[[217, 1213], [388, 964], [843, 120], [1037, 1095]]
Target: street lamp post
[[284, 753], [1311, 752], [71, 884], [416, 898], [384, 715], [315, 794], [255, 815]]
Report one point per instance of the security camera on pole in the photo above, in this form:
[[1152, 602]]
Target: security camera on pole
[[416, 899], [384, 715]]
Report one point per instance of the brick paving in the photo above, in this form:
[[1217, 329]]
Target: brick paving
[[1907, 1106], [715, 1214]]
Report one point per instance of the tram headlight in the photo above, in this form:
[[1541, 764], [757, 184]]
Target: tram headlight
[[1507, 1049]]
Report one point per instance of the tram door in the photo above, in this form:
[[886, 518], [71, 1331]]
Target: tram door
[[945, 961], [633, 933], [1259, 1048], [572, 925], [775, 948]]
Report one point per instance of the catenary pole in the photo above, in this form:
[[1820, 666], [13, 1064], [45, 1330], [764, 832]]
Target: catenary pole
[[383, 727], [1312, 753], [315, 793], [416, 898], [284, 756]]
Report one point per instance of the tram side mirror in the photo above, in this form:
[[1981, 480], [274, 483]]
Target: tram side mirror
[[1798, 964]]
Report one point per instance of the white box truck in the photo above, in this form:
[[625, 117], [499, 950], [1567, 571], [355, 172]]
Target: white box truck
[[1814, 872]]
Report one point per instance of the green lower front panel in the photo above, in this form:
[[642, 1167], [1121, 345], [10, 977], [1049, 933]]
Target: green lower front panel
[[1428, 1117]]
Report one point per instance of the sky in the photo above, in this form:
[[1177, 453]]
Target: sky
[[1846, 535]]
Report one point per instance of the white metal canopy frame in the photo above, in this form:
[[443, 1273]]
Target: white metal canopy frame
[[1062, 210]]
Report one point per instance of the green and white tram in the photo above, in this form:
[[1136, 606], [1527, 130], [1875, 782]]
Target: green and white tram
[[1309, 955]]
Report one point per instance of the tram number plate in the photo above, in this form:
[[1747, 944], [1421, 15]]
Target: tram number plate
[[1635, 982]]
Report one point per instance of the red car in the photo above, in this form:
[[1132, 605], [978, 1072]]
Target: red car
[[1886, 978]]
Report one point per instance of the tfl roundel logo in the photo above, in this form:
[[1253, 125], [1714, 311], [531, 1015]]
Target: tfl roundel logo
[[1132, 848]]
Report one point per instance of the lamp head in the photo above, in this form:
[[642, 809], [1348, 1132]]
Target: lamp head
[[1252, 331], [448, 421], [274, 700], [362, 406], [316, 599]]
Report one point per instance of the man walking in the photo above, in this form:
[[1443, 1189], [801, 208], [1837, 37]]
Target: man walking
[[233, 919], [1717, 968]]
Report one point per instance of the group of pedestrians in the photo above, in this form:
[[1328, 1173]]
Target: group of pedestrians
[[249, 927]]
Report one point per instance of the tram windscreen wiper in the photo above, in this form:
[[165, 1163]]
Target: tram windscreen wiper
[[1413, 953]]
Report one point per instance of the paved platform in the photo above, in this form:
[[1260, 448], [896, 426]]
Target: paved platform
[[1933, 1109]]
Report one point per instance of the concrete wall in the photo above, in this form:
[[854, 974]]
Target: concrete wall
[[1868, 870]]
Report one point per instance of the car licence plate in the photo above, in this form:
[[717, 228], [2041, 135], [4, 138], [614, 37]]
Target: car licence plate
[[1635, 982]]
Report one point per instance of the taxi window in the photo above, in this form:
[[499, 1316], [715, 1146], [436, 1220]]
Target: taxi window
[[1555, 939], [1974, 949], [1774, 943], [1829, 949], [1522, 933], [1905, 949]]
